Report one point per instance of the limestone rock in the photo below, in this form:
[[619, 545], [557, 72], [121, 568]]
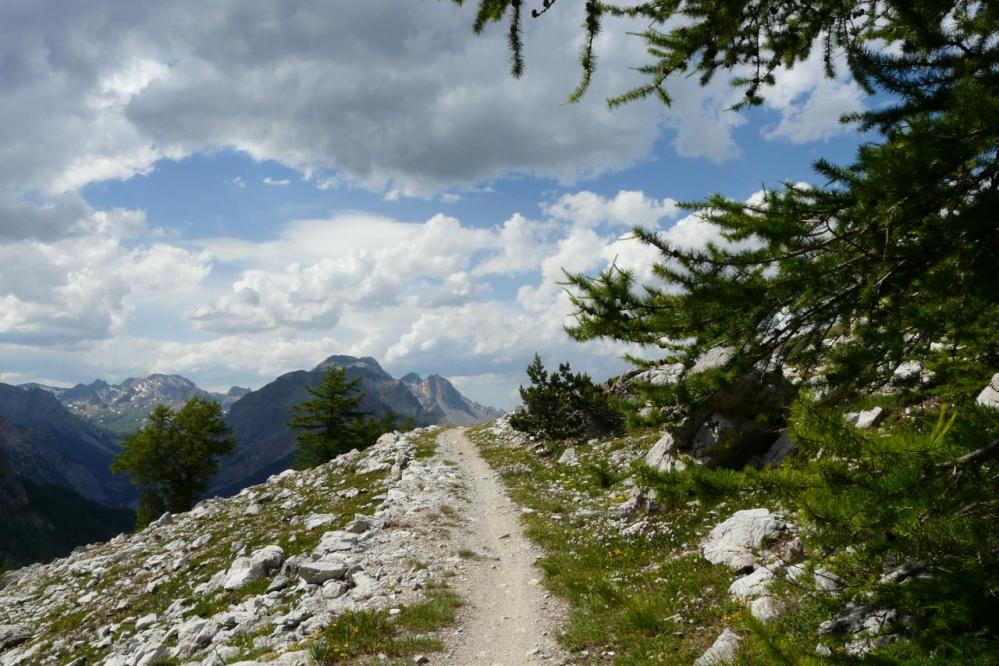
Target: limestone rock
[[722, 651], [755, 584], [867, 418], [319, 572], [258, 565], [766, 608], [12, 635], [661, 455], [736, 541], [989, 397], [569, 457]]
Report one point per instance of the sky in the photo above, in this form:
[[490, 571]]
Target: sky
[[238, 189]]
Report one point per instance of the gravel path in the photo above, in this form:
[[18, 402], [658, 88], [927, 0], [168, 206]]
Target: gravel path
[[508, 618]]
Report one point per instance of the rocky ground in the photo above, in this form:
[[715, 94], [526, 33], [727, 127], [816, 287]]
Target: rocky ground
[[250, 577], [258, 577]]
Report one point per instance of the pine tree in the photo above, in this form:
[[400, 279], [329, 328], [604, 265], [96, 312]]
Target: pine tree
[[563, 405], [330, 423], [174, 457], [890, 260]]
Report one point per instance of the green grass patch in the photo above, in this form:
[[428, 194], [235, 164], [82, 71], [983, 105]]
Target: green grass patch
[[425, 445], [357, 634]]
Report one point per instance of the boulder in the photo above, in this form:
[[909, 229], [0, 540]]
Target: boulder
[[259, 564], [722, 651], [736, 541], [317, 573], [766, 608], [755, 584], [194, 634], [569, 457], [867, 418], [989, 397], [12, 635], [662, 455]]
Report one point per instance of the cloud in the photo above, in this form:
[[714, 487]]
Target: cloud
[[809, 103], [238, 182], [398, 98], [82, 286], [276, 181], [627, 209]]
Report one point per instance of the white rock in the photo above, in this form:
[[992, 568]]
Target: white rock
[[752, 585], [867, 418], [722, 651], [319, 572], [827, 581], [569, 457], [661, 455], [319, 520], [145, 621], [766, 608], [712, 359], [735, 541], [989, 397], [11, 635], [258, 565]]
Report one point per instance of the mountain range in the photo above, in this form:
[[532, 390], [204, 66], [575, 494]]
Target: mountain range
[[123, 408], [57, 443], [266, 444]]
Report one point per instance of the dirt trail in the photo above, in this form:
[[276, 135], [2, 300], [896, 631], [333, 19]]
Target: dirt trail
[[507, 619]]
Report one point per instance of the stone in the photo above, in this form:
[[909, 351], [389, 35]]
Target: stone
[[827, 581], [258, 565], [756, 584], [722, 651], [279, 583], [989, 397], [12, 635], [319, 572], [867, 418], [712, 359], [569, 457], [145, 622], [661, 455], [359, 525], [319, 520], [194, 634], [735, 541], [766, 608]]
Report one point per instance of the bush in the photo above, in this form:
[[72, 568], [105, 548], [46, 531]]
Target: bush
[[563, 405]]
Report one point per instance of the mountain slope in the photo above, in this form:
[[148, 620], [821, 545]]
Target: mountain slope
[[266, 444], [46, 444], [444, 403], [123, 408]]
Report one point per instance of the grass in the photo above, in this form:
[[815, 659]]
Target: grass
[[873, 501], [357, 634], [649, 598], [425, 445]]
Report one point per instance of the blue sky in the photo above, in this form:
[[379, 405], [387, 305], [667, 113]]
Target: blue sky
[[244, 195]]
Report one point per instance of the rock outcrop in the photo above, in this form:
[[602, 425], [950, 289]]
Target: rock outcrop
[[989, 397]]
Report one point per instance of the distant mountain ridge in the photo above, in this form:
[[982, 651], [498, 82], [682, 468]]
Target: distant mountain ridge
[[123, 408], [440, 398], [258, 418], [43, 442], [266, 444]]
